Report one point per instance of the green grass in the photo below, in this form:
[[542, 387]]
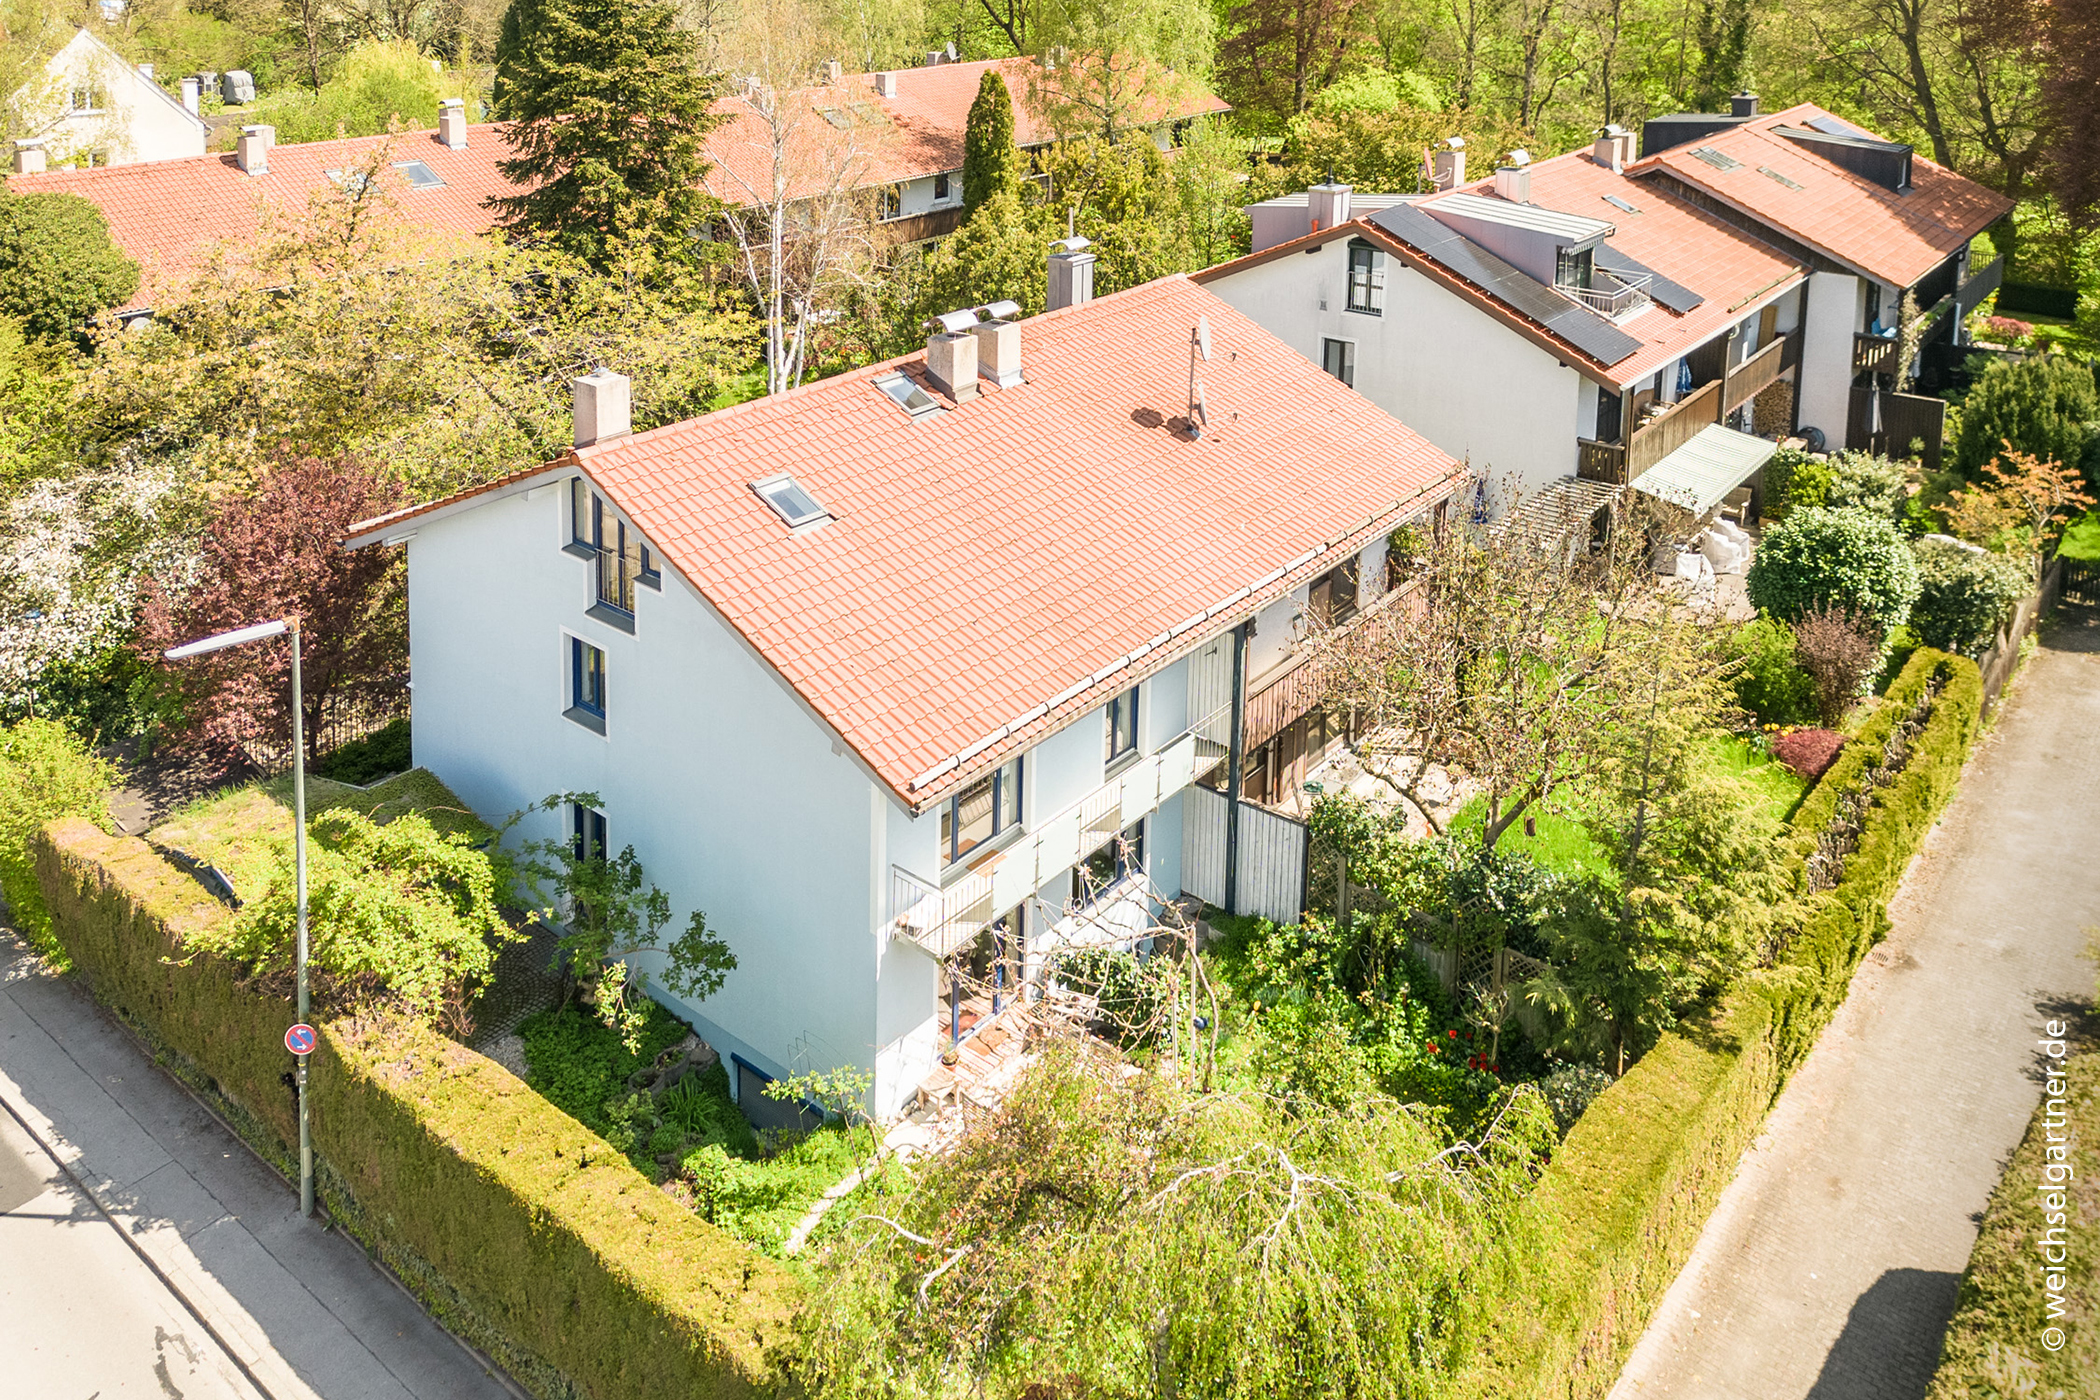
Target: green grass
[[2082, 540], [1778, 787], [1562, 845]]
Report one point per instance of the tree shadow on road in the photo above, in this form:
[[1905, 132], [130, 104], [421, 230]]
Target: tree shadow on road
[[2072, 627], [1891, 1343]]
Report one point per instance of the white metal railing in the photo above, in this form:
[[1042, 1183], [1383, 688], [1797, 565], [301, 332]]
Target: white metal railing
[[1628, 292]]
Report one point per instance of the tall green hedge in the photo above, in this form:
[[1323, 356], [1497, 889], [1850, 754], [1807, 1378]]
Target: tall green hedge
[[526, 1232], [1625, 1198]]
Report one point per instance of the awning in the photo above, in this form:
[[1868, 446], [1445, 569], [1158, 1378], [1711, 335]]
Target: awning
[[1700, 474]]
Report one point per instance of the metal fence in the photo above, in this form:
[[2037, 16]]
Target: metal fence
[[345, 723]]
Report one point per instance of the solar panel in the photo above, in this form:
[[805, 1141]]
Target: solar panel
[[418, 175], [1719, 160], [1675, 295], [1617, 203], [1519, 291]]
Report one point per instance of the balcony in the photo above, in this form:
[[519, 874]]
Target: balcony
[[1621, 464], [1623, 293]]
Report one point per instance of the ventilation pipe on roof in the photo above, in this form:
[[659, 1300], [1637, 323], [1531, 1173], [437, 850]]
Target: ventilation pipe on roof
[[29, 157], [833, 71], [452, 124], [1743, 104], [999, 345], [191, 97], [885, 84], [1448, 168], [951, 354], [252, 152], [1328, 205], [1071, 272], [604, 406], [1513, 178], [1625, 139]]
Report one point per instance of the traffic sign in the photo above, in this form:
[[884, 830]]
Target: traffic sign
[[300, 1039]]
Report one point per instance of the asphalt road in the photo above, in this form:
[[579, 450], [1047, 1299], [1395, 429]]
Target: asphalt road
[[82, 1316]]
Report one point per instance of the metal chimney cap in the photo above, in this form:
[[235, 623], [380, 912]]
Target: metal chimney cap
[[1077, 243], [1003, 310], [955, 322]]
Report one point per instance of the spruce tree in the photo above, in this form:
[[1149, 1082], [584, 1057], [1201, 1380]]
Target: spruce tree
[[608, 111], [991, 162]]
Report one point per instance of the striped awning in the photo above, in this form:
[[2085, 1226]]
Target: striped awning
[[1699, 475]]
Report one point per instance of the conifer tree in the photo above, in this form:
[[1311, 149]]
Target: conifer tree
[[608, 109], [991, 162]]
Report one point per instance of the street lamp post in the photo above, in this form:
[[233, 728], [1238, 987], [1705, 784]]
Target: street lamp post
[[219, 642]]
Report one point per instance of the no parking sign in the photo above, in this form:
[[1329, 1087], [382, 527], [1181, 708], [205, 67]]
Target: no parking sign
[[300, 1039]]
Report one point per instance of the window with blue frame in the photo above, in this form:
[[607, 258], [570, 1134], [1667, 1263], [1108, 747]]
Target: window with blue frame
[[586, 684], [1122, 724], [622, 559], [587, 833], [985, 809], [1110, 866]]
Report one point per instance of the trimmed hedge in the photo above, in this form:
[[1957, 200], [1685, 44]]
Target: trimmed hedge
[[521, 1228], [1625, 1198]]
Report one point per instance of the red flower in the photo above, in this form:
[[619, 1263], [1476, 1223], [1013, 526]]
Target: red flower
[[1452, 1034], [1432, 1047]]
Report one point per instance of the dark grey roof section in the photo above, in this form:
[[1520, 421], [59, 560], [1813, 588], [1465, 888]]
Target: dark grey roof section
[[1675, 295], [1886, 163], [1679, 128], [1569, 320]]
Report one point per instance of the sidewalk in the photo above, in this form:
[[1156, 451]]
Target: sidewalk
[[297, 1307], [1833, 1261]]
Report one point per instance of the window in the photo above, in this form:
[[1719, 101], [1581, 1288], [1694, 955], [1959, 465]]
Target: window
[[1717, 159], [85, 96], [940, 188], [586, 685], [1338, 358], [908, 395], [1109, 866], [587, 833], [419, 175], [1332, 599], [1366, 278], [620, 558], [1769, 173], [1617, 203], [1574, 269], [1122, 724], [984, 809], [790, 502], [893, 201]]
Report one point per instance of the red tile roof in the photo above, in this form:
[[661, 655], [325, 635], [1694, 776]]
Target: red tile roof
[[167, 214], [1895, 237], [1026, 543]]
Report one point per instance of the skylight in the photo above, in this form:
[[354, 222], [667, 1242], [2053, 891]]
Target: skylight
[[351, 180], [790, 502], [1769, 173], [1617, 203], [1717, 159], [836, 117], [418, 175], [907, 395]]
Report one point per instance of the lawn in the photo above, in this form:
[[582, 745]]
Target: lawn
[[2082, 540]]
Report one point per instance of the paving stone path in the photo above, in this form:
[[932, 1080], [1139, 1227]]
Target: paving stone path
[[1831, 1266]]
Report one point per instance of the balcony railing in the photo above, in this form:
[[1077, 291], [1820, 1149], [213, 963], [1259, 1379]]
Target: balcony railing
[[1620, 464], [1622, 292]]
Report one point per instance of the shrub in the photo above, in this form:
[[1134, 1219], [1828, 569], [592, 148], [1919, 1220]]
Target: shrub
[[1778, 476], [1871, 483], [362, 762], [1838, 649], [2044, 405], [1964, 594], [45, 773], [1570, 1091], [58, 266], [2006, 330], [1770, 682], [1809, 752], [1846, 558]]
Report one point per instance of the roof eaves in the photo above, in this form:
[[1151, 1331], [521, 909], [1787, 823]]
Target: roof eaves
[[381, 528]]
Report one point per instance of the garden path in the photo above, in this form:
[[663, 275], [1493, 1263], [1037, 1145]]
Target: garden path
[[1833, 1261]]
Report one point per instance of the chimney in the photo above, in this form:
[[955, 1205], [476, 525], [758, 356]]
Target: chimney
[[935, 59], [1743, 104], [29, 157], [147, 69], [252, 152], [604, 406], [191, 96], [1607, 152], [833, 72], [885, 84], [1625, 139], [1513, 180], [452, 124], [1449, 167], [1328, 204], [1071, 272], [951, 355], [999, 345]]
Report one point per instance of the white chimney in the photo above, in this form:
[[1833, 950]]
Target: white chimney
[[1513, 180], [1449, 166], [29, 158], [252, 152], [951, 355], [604, 406], [191, 96], [1607, 151], [1328, 204], [452, 124], [834, 71], [999, 345], [147, 69], [1071, 272], [885, 84]]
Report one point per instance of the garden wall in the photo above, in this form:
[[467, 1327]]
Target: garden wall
[[519, 1227], [1624, 1199]]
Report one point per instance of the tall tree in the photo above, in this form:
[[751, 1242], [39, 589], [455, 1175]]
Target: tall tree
[[1111, 64], [1724, 48], [991, 161], [1281, 53], [608, 112], [58, 266]]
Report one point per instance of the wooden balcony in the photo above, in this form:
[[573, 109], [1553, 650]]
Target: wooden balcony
[[1873, 354], [1600, 461], [1622, 465], [1758, 373]]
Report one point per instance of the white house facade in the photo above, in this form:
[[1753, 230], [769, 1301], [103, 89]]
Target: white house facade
[[93, 108]]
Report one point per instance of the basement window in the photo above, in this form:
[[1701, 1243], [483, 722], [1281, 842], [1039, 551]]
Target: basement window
[[419, 175], [1717, 159], [795, 506], [907, 395]]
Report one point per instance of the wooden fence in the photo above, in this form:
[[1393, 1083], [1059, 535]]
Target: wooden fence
[[1997, 664]]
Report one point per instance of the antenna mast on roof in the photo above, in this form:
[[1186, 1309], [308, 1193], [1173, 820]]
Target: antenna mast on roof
[[1199, 351]]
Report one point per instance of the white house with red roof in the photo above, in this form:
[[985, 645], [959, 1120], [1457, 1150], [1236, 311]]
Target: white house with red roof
[[912, 675], [91, 106]]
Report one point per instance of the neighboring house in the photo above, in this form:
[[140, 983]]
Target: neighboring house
[[170, 215], [923, 669], [1558, 321], [93, 108]]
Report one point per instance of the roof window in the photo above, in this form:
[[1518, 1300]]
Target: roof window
[[350, 181], [907, 395], [790, 502], [1617, 203], [1769, 173], [1717, 159], [419, 175]]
